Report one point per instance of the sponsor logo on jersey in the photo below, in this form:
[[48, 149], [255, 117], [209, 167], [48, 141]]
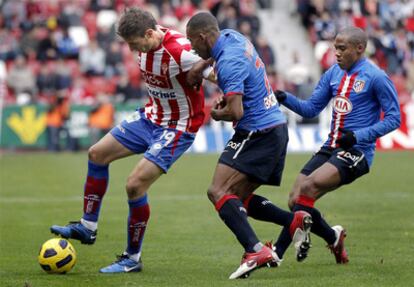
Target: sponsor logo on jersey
[[156, 80], [342, 105], [161, 95], [358, 86]]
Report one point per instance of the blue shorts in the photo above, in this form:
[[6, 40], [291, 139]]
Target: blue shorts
[[162, 146]]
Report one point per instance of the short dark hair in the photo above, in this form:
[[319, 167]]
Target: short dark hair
[[203, 22], [355, 36], [134, 22]]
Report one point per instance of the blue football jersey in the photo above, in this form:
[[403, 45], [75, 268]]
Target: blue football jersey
[[240, 70], [359, 96]]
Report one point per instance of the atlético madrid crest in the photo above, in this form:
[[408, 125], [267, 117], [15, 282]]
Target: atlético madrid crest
[[358, 86]]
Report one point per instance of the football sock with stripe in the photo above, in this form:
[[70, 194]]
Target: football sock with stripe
[[139, 213], [260, 208], [232, 212], [320, 227], [94, 191]]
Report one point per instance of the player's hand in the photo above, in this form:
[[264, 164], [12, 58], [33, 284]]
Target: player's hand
[[280, 96], [347, 140], [219, 103]]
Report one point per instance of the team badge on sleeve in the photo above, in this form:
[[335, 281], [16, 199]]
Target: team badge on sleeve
[[358, 86]]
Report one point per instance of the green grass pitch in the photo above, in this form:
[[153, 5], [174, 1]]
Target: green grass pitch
[[186, 243]]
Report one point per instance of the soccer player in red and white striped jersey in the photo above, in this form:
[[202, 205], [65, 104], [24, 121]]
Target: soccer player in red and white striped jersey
[[162, 131]]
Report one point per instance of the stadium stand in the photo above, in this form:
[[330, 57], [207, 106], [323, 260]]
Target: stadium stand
[[69, 47]]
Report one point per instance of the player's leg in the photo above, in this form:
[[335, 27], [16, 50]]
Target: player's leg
[[222, 193], [140, 179], [263, 159], [164, 148], [319, 225], [297, 224], [342, 167], [100, 156]]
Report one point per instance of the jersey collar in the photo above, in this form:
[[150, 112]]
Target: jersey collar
[[356, 65]]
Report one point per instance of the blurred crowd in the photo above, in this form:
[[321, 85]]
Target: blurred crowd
[[389, 24], [61, 53], [69, 49], [65, 52]]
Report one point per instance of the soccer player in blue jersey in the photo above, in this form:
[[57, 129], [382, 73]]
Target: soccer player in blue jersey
[[255, 155], [360, 91]]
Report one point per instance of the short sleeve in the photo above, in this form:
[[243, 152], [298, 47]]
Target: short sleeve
[[188, 59], [231, 74]]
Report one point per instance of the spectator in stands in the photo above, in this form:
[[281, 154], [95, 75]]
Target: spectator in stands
[[101, 118], [92, 59], [114, 60], [230, 20], [66, 46], [249, 14], [298, 75], [184, 10], [325, 27], [167, 15], [125, 92], [29, 42], [14, 13], [63, 75], [47, 49], [246, 29], [8, 45], [105, 36], [21, 78], [46, 81], [56, 116], [265, 52], [71, 15]]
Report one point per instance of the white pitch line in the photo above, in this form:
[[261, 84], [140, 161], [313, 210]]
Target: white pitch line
[[79, 198]]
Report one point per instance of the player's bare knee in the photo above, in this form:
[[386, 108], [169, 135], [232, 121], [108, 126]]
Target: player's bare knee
[[95, 156], [215, 193], [309, 188], [134, 188]]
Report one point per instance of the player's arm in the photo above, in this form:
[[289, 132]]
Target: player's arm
[[387, 96], [314, 105], [231, 75], [202, 69], [228, 108]]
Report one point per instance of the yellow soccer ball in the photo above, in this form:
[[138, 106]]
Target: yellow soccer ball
[[57, 255]]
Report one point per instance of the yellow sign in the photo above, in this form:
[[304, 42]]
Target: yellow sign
[[27, 127]]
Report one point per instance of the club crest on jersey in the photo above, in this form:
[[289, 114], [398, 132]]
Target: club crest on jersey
[[342, 105], [164, 68], [358, 86]]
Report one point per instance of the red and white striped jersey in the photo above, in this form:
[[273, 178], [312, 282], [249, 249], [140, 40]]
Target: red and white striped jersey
[[172, 103]]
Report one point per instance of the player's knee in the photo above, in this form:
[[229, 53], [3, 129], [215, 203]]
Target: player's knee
[[135, 187], [214, 193], [309, 188], [95, 156]]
